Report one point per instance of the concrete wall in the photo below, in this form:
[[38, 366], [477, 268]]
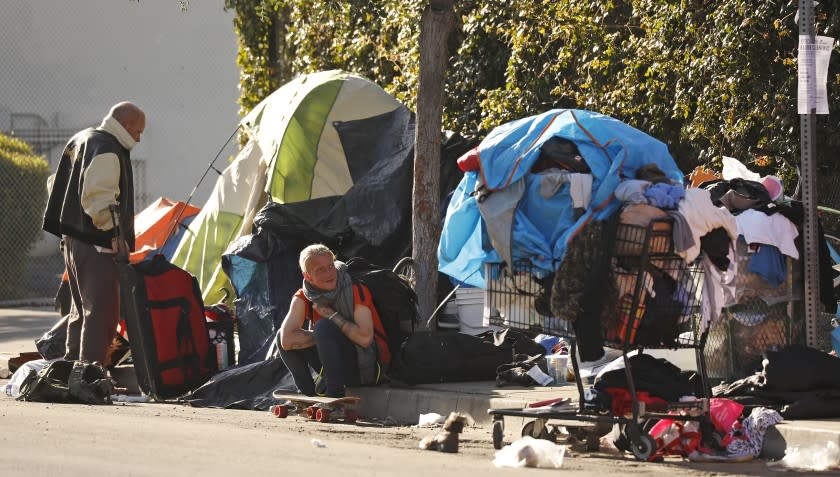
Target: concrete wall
[[67, 62]]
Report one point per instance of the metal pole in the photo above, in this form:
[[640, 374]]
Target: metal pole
[[807, 138]]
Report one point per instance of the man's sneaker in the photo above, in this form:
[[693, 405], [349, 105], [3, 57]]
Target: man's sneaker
[[320, 385]]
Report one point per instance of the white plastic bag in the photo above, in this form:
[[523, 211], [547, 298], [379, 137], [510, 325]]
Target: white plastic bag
[[530, 452], [430, 419], [13, 388], [733, 169], [813, 457]]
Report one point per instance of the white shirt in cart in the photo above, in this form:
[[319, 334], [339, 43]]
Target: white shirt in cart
[[702, 217], [776, 230]]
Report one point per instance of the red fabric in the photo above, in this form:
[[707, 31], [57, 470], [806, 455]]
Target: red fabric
[[724, 413], [683, 444], [177, 324], [384, 356], [622, 401], [469, 161]]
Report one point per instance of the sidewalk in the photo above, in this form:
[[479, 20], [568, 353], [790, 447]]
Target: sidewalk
[[20, 326]]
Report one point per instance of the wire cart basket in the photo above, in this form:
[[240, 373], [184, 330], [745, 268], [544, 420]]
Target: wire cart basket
[[651, 300]]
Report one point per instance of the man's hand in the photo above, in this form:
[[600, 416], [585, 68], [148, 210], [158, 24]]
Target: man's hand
[[323, 310], [120, 248]]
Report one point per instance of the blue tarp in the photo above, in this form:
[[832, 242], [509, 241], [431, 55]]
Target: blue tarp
[[541, 227]]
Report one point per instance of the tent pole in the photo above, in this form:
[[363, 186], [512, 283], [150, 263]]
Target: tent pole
[[209, 166]]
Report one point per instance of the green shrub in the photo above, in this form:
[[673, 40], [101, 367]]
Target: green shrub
[[23, 197], [706, 78]]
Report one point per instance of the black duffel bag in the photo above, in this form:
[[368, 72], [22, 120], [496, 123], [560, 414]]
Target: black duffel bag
[[68, 382], [432, 357]]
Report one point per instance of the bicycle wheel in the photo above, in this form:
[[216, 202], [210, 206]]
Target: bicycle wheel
[[407, 271]]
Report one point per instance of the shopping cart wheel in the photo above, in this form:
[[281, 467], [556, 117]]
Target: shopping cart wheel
[[644, 448], [498, 433], [530, 429], [578, 434]]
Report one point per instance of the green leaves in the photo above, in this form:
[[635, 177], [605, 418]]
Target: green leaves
[[707, 78]]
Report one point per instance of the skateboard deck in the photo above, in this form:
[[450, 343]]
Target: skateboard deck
[[321, 409]]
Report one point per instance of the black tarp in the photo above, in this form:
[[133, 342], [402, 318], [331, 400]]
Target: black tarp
[[247, 387]]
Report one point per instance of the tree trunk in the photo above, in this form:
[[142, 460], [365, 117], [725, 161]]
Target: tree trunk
[[280, 54], [437, 22]]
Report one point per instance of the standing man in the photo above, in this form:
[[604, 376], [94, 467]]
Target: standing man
[[94, 173], [345, 337]]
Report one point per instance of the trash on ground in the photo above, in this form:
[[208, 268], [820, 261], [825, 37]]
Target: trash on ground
[[813, 457], [530, 452], [430, 419], [318, 443], [130, 398], [447, 440]]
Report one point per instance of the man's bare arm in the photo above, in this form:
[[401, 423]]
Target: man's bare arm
[[292, 334], [360, 332]]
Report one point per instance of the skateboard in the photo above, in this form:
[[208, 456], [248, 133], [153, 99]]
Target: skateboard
[[321, 409]]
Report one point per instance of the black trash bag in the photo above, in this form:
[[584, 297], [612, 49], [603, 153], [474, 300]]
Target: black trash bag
[[52, 344], [516, 373]]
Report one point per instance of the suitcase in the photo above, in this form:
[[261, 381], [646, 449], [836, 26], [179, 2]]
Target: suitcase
[[164, 317]]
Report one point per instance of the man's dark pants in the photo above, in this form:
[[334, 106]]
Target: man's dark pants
[[95, 309], [332, 350]]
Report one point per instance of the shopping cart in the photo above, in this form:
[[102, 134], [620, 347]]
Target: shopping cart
[[651, 301]]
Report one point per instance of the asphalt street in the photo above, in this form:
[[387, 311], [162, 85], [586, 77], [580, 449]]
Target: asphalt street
[[157, 439]]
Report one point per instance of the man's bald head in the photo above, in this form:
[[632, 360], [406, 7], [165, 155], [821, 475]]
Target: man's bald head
[[132, 118]]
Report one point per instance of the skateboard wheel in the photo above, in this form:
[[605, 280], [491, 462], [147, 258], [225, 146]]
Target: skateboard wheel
[[310, 412], [281, 411], [350, 415], [322, 415]]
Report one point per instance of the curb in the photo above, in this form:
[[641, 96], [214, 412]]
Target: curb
[[404, 406], [28, 302], [799, 434]]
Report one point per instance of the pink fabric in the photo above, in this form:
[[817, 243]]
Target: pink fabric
[[773, 186]]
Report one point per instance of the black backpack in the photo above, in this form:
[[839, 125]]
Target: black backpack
[[393, 297]]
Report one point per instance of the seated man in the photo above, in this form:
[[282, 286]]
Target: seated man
[[345, 339]]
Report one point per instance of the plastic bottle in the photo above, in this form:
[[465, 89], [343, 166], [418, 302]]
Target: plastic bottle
[[670, 434]]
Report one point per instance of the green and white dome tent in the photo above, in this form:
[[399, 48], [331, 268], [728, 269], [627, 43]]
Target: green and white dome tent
[[293, 127], [294, 155]]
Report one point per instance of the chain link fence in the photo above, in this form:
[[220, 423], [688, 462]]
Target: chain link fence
[[766, 317], [62, 71]]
